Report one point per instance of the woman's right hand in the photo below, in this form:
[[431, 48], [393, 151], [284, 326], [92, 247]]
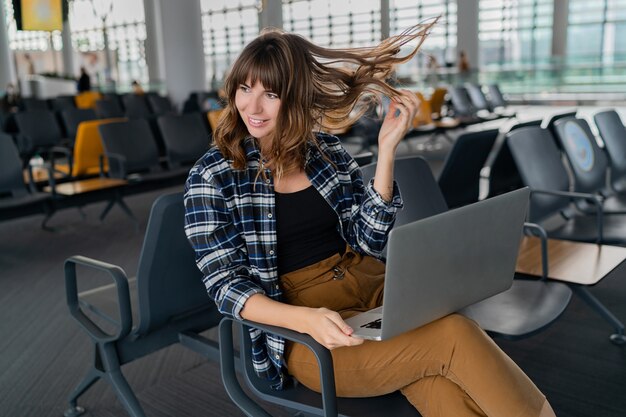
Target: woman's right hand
[[328, 329]]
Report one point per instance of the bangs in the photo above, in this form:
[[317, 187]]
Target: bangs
[[262, 61]]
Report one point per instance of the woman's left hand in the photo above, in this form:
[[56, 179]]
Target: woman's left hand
[[398, 120]]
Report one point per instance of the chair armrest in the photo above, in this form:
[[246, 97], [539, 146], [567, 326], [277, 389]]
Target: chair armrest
[[592, 198], [123, 298], [534, 229], [55, 150], [322, 354], [117, 165]]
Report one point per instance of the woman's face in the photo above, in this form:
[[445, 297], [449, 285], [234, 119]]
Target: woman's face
[[258, 108]]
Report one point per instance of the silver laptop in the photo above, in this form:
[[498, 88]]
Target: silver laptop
[[443, 263]]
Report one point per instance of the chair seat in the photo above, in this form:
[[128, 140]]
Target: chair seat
[[584, 229], [528, 307]]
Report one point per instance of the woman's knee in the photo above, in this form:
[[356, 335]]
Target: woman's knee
[[457, 325]]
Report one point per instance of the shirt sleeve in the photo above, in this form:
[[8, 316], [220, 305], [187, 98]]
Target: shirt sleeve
[[220, 250], [371, 217]]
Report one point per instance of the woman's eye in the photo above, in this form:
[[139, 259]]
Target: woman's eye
[[244, 88], [272, 96]]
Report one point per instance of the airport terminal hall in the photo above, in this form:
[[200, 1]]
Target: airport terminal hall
[[363, 208]]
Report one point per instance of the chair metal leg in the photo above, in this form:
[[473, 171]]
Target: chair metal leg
[[84, 385], [107, 209], [125, 393], [618, 337]]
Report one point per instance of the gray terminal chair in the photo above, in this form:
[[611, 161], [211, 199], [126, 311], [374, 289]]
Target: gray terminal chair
[[525, 309], [109, 108], [172, 304], [185, 138], [16, 199], [459, 179], [39, 132], [73, 117], [136, 106], [613, 134], [541, 168], [589, 165]]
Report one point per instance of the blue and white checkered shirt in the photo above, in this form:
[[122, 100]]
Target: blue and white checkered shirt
[[229, 220]]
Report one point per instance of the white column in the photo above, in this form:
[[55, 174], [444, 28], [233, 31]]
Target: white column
[[559, 30], [7, 70], [68, 50], [271, 15], [467, 30], [183, 52], [154, 43]]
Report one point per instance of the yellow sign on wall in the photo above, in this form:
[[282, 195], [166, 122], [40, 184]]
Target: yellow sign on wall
[[42, 15]]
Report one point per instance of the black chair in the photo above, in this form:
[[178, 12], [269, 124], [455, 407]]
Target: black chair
[[541, 168], [185, 138], [32, 103], [459, 180], [497, 102], [159, 105], [525, 309], [16, 199], [613, 134], [61, 103], [463, 108], [39, 132], [172, 304], [73, 117], [481, 104], [136, 106], [548, 122], [500, 171], [589, 165], [109, 108], [132, 152]]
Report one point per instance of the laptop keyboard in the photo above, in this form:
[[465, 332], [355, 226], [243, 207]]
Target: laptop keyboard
[[373, 324]]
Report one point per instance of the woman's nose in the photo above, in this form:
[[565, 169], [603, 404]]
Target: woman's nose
[[256, 105]]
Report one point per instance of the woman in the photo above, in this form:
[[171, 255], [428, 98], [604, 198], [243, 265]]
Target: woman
[[287, 234]]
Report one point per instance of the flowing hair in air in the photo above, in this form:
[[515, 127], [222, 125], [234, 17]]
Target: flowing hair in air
[[319, 88]]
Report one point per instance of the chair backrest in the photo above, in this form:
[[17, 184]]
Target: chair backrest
[[540, 166], [88, 148], [461, 102], [169, 284], [61, 103], [588, 162], [73, 117], [136, 106], [214, 117], [503, 173], [477, 97], [87, 99], [40, 127], [159, 104], [424, 112], [460, 177], [184, 136], [496, 98], [549, 121], [11, 176], [134, 141], [32, 103], [437, 98], [418, 187], [107, 109], [613, 135]]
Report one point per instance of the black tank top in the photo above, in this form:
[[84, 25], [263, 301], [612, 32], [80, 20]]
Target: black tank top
[[306, 229]]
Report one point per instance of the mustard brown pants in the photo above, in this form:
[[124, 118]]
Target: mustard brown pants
[[448, 368]]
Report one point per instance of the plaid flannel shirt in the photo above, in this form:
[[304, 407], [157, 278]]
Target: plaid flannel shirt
[[229, 220]]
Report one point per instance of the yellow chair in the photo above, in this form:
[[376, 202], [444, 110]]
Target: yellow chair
[[423, 117], [437, 99], [214, 117], [87, 150], [87, 100]]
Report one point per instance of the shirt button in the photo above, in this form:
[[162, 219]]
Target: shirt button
[[271, 252], [269, 215], [267, 181], [277, 357]]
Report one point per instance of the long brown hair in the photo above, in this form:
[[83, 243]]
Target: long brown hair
[[318, 88]]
